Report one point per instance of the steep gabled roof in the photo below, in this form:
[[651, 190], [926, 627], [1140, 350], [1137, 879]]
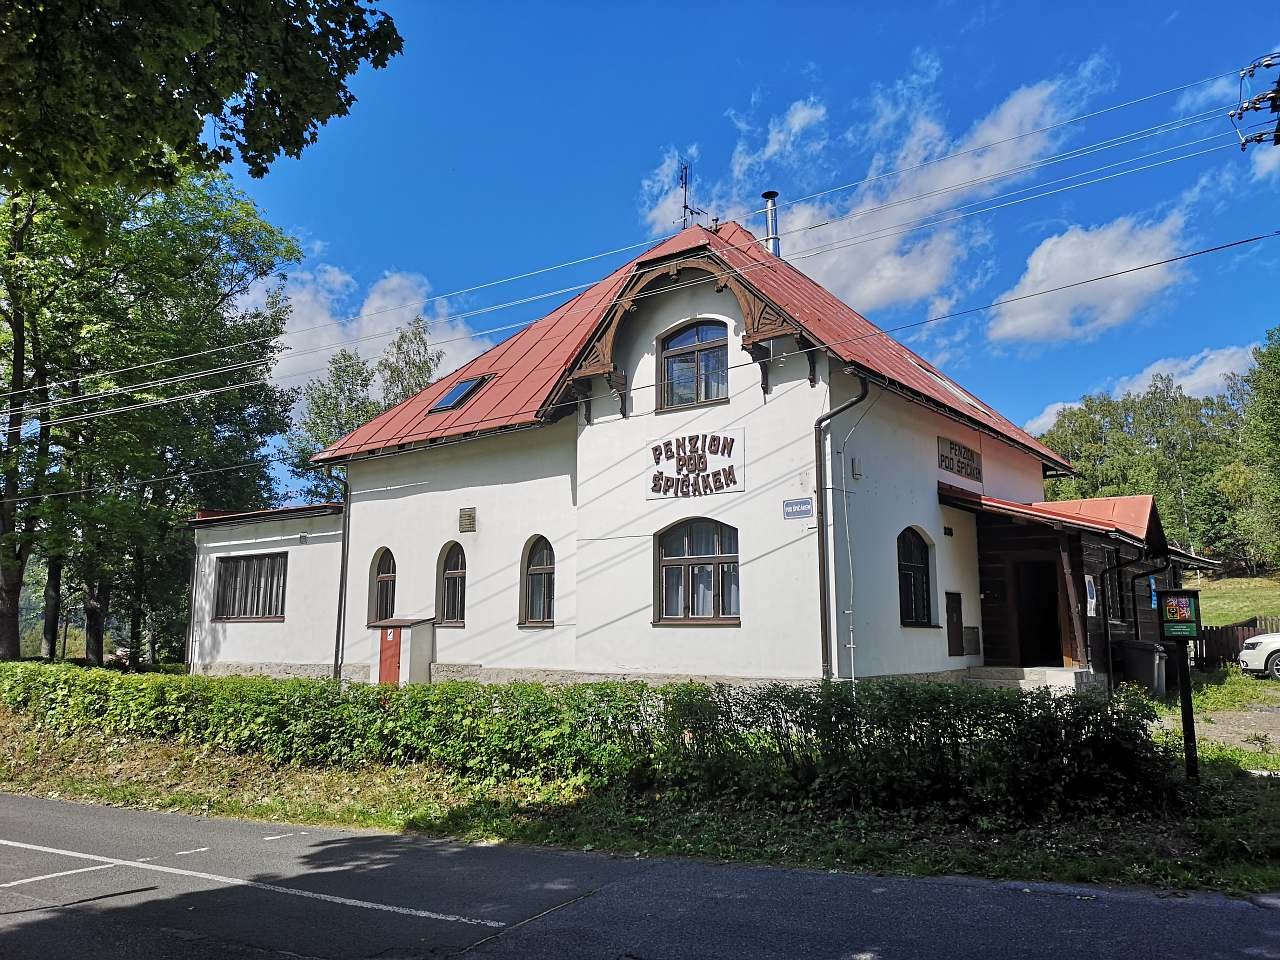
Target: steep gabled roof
[[525, 373]]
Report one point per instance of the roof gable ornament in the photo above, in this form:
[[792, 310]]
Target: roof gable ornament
[[763, 320]]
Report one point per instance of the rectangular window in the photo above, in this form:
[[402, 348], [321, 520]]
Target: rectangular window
[[673, 591], [729, 590], [702, 590], [250, 588], [682, 385]]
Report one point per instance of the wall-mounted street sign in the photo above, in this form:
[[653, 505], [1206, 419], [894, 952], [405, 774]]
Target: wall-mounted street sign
[[801, 509], [955, 457], [697, 465]]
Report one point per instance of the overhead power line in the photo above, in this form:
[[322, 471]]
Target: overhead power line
[[633, 246], [880, 233], [264, 461], [828, 247]]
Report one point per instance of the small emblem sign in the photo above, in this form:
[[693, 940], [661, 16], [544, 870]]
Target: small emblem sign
[[956, 458], [1179, 613], [801, 509], [697, 465]]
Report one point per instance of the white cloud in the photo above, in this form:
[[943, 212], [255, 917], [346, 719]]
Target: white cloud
[[882, 265], [1200, 374], [1047, 417], [1265, 161], [798, 134], [1223, 92], [1080, 253], [329, 313]]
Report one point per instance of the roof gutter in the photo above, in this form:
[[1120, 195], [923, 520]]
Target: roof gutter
[[820, 475]]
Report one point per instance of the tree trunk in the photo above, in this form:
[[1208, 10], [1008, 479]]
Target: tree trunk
[[135, 613], [10, 595], [97, 598], [52, 608]]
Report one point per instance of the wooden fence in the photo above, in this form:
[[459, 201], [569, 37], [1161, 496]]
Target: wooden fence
[[1221, 645]]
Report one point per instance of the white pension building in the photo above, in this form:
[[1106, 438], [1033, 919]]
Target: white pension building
[[704, 466]]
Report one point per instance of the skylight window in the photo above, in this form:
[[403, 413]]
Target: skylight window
[[457, 395]]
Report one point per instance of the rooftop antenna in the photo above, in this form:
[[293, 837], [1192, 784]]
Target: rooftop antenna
[[687, 213]]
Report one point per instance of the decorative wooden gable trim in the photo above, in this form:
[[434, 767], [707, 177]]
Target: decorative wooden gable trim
[[763, 319]]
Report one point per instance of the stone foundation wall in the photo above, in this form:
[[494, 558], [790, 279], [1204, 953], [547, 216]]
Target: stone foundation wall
[[475, 671], [358, 672]]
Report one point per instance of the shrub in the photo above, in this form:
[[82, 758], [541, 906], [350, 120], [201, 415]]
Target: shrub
[[884, 743]]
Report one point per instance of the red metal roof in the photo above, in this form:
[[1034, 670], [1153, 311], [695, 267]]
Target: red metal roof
[[1135, 515], [1040, 512], [524, 371]]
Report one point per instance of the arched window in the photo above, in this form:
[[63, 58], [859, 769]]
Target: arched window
[[693, 365], [698, 574], [452, 611], [539, 584], [384, 586], [913, 579]]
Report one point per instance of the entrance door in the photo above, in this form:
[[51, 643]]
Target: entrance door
[[1039, 640], [389, 656], [955, 626]]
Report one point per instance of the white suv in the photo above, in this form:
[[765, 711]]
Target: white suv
[[1261, 655]]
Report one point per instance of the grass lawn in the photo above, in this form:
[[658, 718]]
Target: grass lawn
[[1232, 599], [1225, 837]]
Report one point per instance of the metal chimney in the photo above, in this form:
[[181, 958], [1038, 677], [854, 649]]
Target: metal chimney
[[772, 242]]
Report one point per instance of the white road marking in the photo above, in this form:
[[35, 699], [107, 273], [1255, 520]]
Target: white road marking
[[183, 853], [253, 884], [278, 836], [60, 873]]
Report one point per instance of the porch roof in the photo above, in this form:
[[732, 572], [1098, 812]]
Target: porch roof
[[1100, 521]]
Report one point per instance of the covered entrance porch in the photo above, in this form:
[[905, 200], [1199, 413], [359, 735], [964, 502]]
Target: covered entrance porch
[[1067, 588]]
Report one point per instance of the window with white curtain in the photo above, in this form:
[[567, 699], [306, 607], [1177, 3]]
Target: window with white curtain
[[539, 584], [693, 365], [250, 588], [698, 574]]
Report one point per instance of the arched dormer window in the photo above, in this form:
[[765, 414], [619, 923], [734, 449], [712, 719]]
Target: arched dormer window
[[383, 606], [539, 598], [693, 365], [451, 611], [697, 574], [914, 600]]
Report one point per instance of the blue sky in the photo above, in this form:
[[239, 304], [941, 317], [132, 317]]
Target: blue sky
[[511, 137]]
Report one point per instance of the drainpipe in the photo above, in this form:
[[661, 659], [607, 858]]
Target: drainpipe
[[340, 630], [820, 474]]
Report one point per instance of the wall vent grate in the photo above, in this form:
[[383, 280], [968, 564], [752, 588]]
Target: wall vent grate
[[467, 520]]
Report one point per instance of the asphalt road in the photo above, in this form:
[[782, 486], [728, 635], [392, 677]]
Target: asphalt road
[[85, 881]]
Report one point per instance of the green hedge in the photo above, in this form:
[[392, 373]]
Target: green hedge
[[887, 743]]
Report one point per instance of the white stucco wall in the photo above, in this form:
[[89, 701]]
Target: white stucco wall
[[522, 485], [303, 642], [616, 523], [896, 448]]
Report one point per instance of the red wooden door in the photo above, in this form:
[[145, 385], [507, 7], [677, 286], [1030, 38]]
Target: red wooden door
[[389, 656]]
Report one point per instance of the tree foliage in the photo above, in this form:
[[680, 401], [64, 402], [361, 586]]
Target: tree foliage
[[1209, 462], [352, 392], [109, 347], [132, 92]]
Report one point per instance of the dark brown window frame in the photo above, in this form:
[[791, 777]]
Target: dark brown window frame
[[376, 613], [663, 353], [925, 574], [541, 570], [717, 561], [448, 578], [223, 563]]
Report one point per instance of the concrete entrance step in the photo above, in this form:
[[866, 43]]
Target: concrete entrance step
[[1058, 679]]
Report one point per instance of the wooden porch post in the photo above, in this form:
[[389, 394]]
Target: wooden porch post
[[1076, 639]]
